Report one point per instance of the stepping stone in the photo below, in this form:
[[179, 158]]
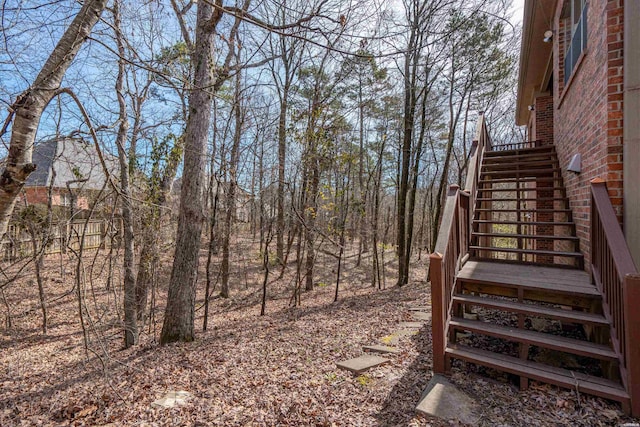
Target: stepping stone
[[171, 399], [392, 339], [443, 400], [411, 325], [419, 308], [362, 363], [420, 315], [380, 349]]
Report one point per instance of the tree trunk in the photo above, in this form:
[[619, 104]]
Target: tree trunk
[[130, 317], [152, 224], [231, 191], [311, 222], [30, 104], [409, 107], [282, 150], [180, 311], [414, 185]]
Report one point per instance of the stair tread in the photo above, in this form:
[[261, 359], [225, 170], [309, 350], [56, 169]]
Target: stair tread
[[522, 199], [520, 171], [534, 309], [525, 236], [505, 156], [495, 221], [531, 277], [519, 189], [519, 179], [520, 158], [535, 162], [527, 251], [554, 342], [540, 372], [522, 210]]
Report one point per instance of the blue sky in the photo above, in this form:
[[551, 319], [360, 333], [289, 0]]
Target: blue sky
[[518, 6]]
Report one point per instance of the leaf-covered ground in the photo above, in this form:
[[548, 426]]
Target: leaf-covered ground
[[246, 369]]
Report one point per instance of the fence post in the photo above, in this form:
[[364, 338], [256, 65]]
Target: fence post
[[631, 297], [438, 320]]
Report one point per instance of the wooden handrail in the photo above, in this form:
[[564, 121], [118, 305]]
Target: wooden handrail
[[452, 246], [616, 276]]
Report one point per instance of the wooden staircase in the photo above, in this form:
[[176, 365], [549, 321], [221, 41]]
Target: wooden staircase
[[509, 289], [523, 265], [522, 212], [506, 299]]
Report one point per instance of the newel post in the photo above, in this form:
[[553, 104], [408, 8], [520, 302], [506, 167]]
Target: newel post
[[631, 297], [437, 312]]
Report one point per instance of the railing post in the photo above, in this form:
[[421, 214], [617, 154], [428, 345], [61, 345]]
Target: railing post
[[596, 183], [438, 321], [631, 297]]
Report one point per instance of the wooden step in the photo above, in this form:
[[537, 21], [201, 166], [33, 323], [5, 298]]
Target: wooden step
[[525, 236], [523, 199], [539, 339], [504, 190], [573, 316], [505, 156], [539, 372], [518, 160], [512, 165], [523, 172], [565, 211], [545, 279], [542, 223], [528, 251], [524, 179]]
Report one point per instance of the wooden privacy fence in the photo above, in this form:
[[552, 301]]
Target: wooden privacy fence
[[65, 235]]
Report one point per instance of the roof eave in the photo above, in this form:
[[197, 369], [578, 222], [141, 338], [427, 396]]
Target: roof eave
[[534, 54]]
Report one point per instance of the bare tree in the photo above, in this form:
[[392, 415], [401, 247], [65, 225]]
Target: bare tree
[[130, 317], [179, 314], [30, 104]]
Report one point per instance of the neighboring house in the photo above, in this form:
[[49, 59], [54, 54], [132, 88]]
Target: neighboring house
[[243, 199], [72, 168], [546, 231]]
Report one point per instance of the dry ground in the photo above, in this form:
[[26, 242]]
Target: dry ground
[[246, 369]]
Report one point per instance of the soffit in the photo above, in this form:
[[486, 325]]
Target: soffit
[[534, 53]]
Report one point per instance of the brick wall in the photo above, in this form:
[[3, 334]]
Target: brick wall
[[40, 195], [543, 114], [588, 111]]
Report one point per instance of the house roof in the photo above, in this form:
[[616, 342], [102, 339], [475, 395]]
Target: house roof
[[74, 161], [535, 54]]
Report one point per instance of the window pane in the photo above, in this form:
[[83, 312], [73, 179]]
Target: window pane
[[583, 22], [577, 7]]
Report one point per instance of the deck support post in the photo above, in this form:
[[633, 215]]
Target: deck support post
[[631, 297], [438, 313]]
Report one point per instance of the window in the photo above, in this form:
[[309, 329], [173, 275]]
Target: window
[[578, 43]]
